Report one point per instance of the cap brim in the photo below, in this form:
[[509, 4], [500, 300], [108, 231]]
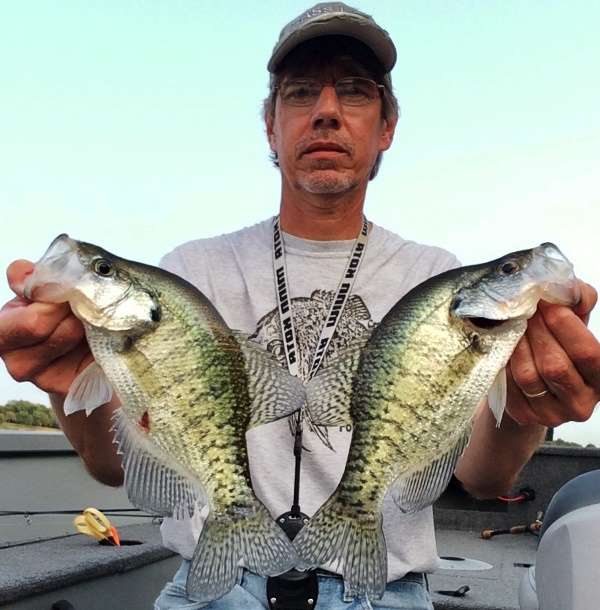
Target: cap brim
[[376, 38]]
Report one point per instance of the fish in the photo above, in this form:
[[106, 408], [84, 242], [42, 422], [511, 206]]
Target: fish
[[417, 384], [190, 388]]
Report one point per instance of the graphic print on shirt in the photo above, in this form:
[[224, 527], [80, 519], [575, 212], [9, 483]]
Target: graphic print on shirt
[[309, 314]]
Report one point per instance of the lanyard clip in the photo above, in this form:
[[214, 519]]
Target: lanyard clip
[[292, 522]]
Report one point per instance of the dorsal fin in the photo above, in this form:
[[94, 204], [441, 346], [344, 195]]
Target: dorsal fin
[[274, 393]]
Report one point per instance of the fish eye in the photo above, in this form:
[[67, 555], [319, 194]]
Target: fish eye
[[509, 268], [103, 267]]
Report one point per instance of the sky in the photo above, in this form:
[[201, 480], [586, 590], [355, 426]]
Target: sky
[[136, 125]]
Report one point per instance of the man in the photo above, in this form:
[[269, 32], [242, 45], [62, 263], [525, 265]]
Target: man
[[329, 117]]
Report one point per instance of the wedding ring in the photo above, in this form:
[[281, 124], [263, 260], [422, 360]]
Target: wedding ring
[[537, 395]]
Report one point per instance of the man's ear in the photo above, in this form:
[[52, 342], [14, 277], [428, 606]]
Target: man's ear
[[270, 133], [387, 134]]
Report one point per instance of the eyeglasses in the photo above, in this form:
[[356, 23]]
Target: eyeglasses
[[351, 91]]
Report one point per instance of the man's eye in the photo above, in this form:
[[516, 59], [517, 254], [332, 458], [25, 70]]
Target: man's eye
[[349, 89], [352, 94], [299, 92], [352, 91]]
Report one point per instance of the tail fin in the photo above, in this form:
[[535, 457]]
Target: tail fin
[[353, 542], [254, 538]]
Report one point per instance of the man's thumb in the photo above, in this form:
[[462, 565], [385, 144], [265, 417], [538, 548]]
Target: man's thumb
[[16, 274]]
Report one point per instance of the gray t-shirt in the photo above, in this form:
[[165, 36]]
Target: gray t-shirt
[[235, 272]]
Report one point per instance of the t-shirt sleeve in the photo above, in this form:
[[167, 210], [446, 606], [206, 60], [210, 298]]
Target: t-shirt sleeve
[[188, 261], [444, 262], [172, 262]]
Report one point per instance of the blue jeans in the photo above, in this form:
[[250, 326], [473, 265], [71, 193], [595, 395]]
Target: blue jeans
[[408, 593]]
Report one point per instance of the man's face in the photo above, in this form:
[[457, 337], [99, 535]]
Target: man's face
[[328, 147]]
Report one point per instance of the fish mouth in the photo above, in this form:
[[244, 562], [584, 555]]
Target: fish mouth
[[514, 287], [55, 274], [486, 323], [564, 288]]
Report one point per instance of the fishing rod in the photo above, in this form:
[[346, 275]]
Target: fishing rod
[[113, 512]]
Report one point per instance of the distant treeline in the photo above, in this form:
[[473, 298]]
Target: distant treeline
[[558, 442], [27, 414]]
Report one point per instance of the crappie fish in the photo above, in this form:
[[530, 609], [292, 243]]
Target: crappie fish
[[189, 390], [420, 378]]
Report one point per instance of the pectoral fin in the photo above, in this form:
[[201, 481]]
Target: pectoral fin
[[497, 396], [89, 390]]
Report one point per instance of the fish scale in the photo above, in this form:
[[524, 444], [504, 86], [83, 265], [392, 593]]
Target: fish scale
[[189, 388], [419, 380], [154, 391]]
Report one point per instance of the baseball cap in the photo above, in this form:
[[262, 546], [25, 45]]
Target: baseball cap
[[331, 19]]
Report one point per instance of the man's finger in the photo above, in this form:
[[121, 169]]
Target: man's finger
[[24, 324], [577, 341], [524, 369], [575, 397], [59, 376], [517, 407], [26, 363], [589, 298]]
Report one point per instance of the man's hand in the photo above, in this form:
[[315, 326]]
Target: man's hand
[[45, 344], [557, 354], [39, 342]]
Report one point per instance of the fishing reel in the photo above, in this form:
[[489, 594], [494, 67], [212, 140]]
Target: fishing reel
[[293, 590]]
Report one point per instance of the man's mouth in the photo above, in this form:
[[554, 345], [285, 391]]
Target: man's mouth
[[324, 149]]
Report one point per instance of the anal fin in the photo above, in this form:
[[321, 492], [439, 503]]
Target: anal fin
[[424, 486], [151, 484]]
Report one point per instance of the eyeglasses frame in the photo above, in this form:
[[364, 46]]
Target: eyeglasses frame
[[381, 88]]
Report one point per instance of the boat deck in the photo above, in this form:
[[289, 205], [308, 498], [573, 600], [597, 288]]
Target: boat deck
[[91, 576], [496, 588], [42, 561]]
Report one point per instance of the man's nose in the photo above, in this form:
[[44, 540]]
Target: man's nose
[[327, 112]]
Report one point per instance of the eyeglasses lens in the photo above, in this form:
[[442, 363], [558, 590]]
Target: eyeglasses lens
[[351, 91]]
